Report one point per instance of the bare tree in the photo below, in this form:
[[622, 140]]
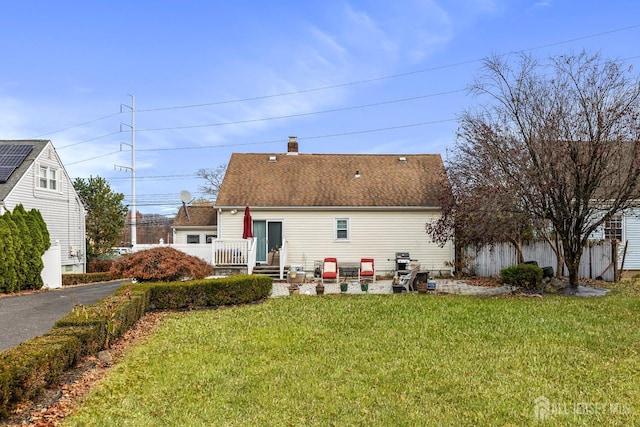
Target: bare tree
[[559, 139], [213, 178], [477, 214]]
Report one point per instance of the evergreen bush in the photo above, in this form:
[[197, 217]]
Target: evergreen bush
[[526, 276]]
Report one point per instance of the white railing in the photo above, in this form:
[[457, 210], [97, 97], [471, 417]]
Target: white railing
[[252, 256], [243, 252], [234, 252], [283, 257]]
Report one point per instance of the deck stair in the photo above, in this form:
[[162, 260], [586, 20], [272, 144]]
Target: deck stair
[[272, 271]]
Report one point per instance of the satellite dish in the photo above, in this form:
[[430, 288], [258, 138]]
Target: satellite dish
[[185, 196]]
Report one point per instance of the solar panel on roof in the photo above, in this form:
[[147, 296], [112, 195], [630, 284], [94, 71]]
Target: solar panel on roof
[[12, 156]]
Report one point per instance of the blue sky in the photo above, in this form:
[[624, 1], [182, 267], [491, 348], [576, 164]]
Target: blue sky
[[215, 77]]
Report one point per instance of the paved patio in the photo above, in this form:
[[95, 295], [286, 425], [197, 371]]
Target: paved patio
[[449, 286]]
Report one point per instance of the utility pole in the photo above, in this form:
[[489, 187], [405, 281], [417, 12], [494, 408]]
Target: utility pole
[[132, 168]]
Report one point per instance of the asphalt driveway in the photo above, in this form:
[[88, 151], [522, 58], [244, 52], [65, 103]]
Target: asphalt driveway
[[23, 317]]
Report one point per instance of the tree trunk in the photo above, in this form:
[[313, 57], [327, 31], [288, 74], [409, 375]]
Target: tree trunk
[[519, 250], [559, 257], [573, 265], [517, 244]]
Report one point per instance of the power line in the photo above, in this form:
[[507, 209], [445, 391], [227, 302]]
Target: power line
[[289, 116], [154, 177], [78, 125], [374, 79], [89, 140], [199, 147], [93, 158], [391, 76]]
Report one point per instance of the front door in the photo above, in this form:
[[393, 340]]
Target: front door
[[268, 235]]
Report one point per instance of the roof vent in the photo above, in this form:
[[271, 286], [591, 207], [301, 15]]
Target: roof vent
[[402, 159], [272, 158]]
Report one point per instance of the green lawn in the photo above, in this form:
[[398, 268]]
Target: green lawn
[[385, 360]]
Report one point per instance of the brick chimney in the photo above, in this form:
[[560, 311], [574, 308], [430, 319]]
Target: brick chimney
[[292, 146]]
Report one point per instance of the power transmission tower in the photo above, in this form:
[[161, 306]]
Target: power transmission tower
[[131, 168]]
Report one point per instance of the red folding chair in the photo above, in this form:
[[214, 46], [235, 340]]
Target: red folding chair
[[330, 269], [367, 270]]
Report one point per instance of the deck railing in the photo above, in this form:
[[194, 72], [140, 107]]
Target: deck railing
[[232, 251]]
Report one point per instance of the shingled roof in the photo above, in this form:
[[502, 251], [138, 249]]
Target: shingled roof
[[199, 216], [331, 180]]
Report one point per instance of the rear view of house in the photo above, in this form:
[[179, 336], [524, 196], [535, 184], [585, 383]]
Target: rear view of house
[[347, 206], [31, 174]]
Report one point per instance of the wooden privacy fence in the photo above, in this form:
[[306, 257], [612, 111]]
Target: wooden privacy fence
[[599, 258]]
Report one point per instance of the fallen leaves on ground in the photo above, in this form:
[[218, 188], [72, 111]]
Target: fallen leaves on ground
[[60, 400], [488, 282]]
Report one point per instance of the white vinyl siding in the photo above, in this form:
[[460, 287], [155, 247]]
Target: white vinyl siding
[[377, 233], [631, 235], [204, 234], [61, 210]]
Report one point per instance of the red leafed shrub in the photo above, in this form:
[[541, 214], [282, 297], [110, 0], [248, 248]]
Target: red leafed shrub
[[160, 265], [101, 266]]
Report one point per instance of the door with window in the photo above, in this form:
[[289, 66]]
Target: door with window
[[268, 236]]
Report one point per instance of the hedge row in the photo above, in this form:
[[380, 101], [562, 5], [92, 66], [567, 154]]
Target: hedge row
[[28, 368], [84, 278]]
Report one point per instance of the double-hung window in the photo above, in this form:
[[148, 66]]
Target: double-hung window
[[48, 178], [613, 228], [342, 229]]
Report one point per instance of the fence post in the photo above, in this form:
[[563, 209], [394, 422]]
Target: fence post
[[614, 259]]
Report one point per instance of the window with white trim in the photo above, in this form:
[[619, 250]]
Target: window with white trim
[[193, 238], [613, 228], [209, 238], [48, 178], [342, 229]]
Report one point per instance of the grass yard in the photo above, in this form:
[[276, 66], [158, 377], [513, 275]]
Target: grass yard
[[384, 360]]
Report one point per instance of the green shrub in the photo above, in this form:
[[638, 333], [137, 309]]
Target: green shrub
[[32, 365], [239, 289], [526, 276], [83, 278], [29, 367], [163, 264], [112, 316]]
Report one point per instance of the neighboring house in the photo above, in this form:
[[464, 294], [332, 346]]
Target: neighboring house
[[32, 174], [347, 206], [624, 227], [195, 225]]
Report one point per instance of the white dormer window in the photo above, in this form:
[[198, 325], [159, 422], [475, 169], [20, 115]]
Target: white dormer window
[[48, 178]]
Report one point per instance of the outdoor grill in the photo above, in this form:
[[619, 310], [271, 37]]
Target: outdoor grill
[[402, 261]]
